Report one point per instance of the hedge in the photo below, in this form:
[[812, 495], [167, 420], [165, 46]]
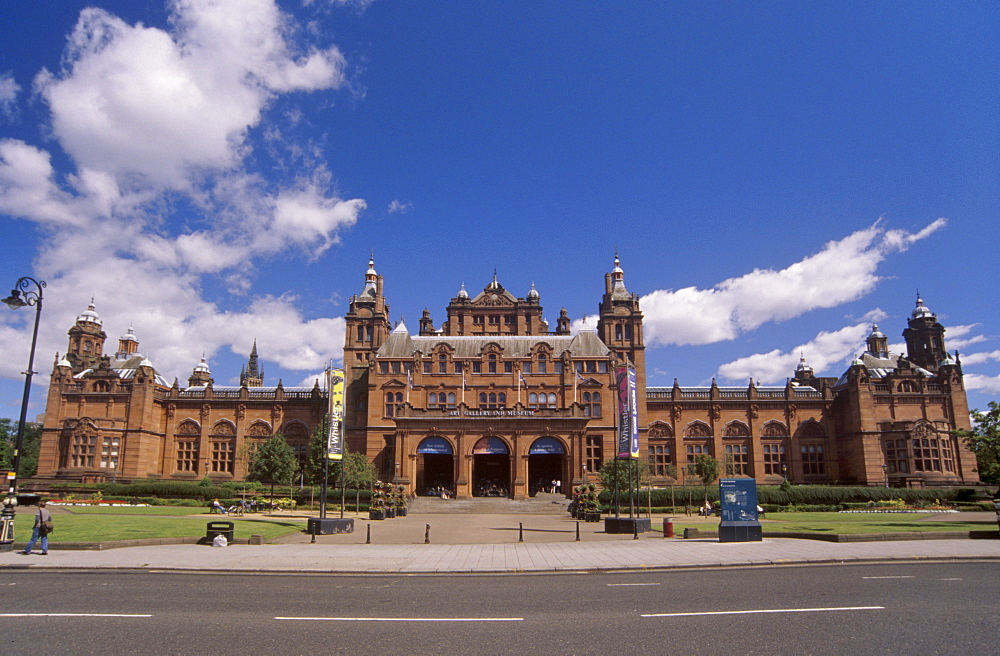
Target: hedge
[[796, 495]]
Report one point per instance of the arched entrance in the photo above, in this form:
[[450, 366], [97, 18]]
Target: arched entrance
[[435, 467], [490, 468], [545, 464]]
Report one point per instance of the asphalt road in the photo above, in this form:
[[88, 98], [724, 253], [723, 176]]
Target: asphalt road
[[912, 608]]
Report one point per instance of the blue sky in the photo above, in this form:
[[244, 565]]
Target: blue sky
[[774, 176]]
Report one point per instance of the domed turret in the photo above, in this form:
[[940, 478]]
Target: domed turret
[[90, 315], [201, 375], [533, 294], [878, 343]]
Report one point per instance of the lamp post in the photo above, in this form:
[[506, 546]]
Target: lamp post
[[27, 291]]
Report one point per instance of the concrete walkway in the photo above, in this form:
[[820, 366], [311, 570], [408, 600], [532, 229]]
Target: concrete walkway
[[489, 544]]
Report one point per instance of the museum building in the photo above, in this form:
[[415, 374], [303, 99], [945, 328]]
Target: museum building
[[493, 401]]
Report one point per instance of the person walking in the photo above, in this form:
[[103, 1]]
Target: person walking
[[43, 526]]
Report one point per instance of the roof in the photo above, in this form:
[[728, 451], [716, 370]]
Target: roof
[[879, 368], [401, 344]]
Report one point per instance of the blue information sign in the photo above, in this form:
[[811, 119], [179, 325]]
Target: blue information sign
[[739, 499]]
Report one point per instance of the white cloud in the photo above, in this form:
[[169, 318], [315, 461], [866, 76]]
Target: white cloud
[[9, 89], [827, 348], [159, 118], [396, 207], [842, 271], [989, 384], [979, 358], [140, 101]]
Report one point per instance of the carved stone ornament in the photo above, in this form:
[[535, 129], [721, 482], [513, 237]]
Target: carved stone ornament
[[791, 413], [241, 411], [677, 414], [716, 412], [206, 408], [171, 409], [753, 411]]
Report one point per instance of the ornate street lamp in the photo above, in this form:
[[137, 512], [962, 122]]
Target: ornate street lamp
[[27, 291]]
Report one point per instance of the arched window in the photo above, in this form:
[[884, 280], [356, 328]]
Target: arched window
[[223, 442], [187, 437], [532, 400], [592, 404], [442, 363], [698, 429], [491, 363], [543, 363], [659, 430], [774, 429], [737, 429]]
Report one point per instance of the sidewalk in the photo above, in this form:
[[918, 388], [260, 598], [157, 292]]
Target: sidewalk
[[489, 544]]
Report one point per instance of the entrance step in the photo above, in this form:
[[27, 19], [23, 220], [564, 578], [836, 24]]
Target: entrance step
[[541, 504]]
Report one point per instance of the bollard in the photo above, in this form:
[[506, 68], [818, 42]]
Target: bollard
[[578, 531], [368, 539], [668, 527], [520, 531], [313, 527], [635, 529], [427, 534]]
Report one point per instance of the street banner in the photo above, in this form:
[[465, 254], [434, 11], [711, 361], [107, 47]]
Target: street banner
[[335, 438], [628, 413]]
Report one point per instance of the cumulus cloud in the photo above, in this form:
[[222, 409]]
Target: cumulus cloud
[[154, 119], [9, 89], [828, 348], [842, 271], [979, 382], [980, 358]]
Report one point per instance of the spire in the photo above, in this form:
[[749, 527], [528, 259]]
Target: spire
[[252, 375], [878, 343], [618, 290], [371, 278]]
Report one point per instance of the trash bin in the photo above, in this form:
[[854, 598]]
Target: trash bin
[[219, 528]]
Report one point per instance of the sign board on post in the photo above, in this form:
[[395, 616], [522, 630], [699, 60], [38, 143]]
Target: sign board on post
[[628, 413], [738, 497], [335, 438]]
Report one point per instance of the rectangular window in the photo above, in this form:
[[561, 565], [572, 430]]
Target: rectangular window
[[187, 455], [477, 367], [109, 453], [595, 454], [222, 457], [427, 367], [659, 459], [459, 367], [558, 366], [526, 368], [508, 367], [736, 460], [84, 449], [774, 459], [814, 461]]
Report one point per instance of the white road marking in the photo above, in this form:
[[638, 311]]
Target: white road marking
[[405, 619], [888, 577], [949, 579], [774, 610], [614, 585], [69, 615]]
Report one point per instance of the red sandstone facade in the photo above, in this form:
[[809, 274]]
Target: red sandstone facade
[[494, 401]]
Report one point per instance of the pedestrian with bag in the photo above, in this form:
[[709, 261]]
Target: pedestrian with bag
[[43, 526]]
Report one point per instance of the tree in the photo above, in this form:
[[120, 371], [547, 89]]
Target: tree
[[273, 462], [28, 465], [984, 441], [360, 473], [706, 468], [623, 472]]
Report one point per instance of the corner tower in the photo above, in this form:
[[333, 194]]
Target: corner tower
[[86, 340], [924, 338], [619, 324]]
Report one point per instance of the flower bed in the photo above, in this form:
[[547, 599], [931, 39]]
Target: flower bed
[[94, 502]]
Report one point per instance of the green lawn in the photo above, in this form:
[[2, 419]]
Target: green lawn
[[134, 510], [838, 523], [92, 526]]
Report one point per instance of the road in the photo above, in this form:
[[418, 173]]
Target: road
[[915, 608]]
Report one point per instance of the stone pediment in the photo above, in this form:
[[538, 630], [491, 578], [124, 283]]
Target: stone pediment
[[395, 382]]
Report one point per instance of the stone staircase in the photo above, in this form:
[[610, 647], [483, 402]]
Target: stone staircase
[[541, 504]]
